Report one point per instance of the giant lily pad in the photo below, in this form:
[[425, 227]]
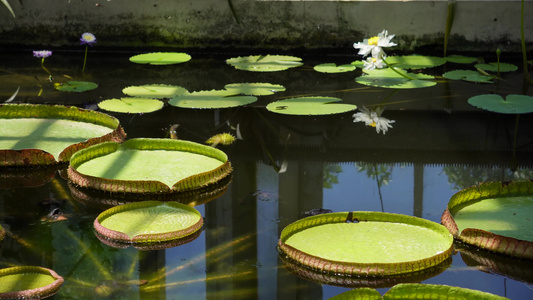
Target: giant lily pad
[[161, 58], [265, 63], [415, 61], [388, 78], [148, 166], [148, 222], [28, 282], [495, 216], [366, 243], [75, 86], [211, 99], [157, 91], [131, 105], [512, 104], [254, 89], [310, 106], [43, 135]]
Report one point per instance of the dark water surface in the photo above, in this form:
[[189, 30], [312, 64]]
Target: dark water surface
[[438, 145]]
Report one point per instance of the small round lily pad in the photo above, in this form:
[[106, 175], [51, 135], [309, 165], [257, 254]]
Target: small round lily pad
[[148, 222], [28, 282], [254, 89], [415, 61], [512, 104], [161, 58], [388, 78], [310, 106], [157, 91], [468, 75], [493, 67], [264, 63], [366, 243], [460, 59], [211, 99], [75, 86], [333, 68], [131, 105]]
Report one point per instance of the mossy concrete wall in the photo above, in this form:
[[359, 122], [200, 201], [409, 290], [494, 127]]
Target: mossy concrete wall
[[478, 25]]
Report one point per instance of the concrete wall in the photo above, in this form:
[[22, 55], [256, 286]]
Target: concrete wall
[[478, 25]]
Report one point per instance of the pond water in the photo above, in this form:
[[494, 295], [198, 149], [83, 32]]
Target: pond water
[[283, 166]]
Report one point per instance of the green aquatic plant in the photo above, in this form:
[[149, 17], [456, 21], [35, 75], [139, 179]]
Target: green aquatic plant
[[450, 15], [29, 282], [512, 104], [157, 91], [221, 138], [310, 106], [415, 61], [468, 75], [87, 39], [264, 63], [395, 78], [6, 4], [131, 105], [75, 86], [254, 89], [161, 58], [42, 54], [333, 68], [211, 99], [460, 59]]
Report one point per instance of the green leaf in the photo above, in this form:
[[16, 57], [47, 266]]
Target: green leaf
[[333, 68], [161, 58], [131, 105], [75, 86], [387, 78], [364, 293], [358, 64], [310, 106], [157, 91], [211, 99], [9, 7], [435, 291], [459, 59], [493, 67], [29, 282], [512, 104], [254, 89], [262, 63], [467, 75], [415, 61]]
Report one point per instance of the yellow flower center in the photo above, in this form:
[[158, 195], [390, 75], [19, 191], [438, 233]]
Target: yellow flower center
[[373, 40], [373, 124]]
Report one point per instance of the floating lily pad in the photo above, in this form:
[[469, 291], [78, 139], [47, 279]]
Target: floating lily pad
[[415, 61], [265, 63], [333, 68], [495, 216], [358, 64], [512, 104], [75, 86], [254, 89], [157, 91], [131, 105], [310, 106], [161, 58], [27, 177], [387, 78], [29, 282], [211, 99], [363, 293], [468, 75], [148, 222], [142, 166], [460, 59], [366, 243], [44, 135], [493, 67]]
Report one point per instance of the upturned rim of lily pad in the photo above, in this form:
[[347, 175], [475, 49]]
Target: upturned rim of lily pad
[[38, 157], [482, 238], [192, 182], [173, 234], [361, 268], [34, 293]]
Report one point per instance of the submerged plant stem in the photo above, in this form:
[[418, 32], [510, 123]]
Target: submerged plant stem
[[87, 251], [153, 288]]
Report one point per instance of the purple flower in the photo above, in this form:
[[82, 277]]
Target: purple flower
[[42, 53], [88, 39]]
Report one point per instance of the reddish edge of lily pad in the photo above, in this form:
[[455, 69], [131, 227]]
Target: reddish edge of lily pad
[[485, 239], [36, 293]]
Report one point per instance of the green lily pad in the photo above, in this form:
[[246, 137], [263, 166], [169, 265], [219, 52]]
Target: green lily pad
[[468, 75], [44, 135], [254, 89], [310, 106], [75, 86], [142, 166], [161, 58], [29, 282], [415, 61], [387, 78], [148, 222], [211, 99], [358, 64], [265, 63], [460, 59], [493, 67], [512, 104], [495, 216], [366, 243], [157, 91], [436, 291], [131, 105], [333, 68], [364, 293]]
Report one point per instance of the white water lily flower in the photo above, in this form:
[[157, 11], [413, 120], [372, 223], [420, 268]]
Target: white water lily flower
[[374, 119], [375, 44], [372, 63]]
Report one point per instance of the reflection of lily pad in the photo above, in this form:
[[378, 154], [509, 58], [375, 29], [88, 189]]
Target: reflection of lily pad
[[415, 61], [75, 86], [148, 222], [310, 106], [154, 91], [43, 135], [467, 75], [131, 105], [387, 78], [211, 99], [142, 166], [366, 243], [333, 68], [512, 104], [460, 59], [265, 63], [161, 58], [29, 282], [493, 67], [495, 216], [254, 89]]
